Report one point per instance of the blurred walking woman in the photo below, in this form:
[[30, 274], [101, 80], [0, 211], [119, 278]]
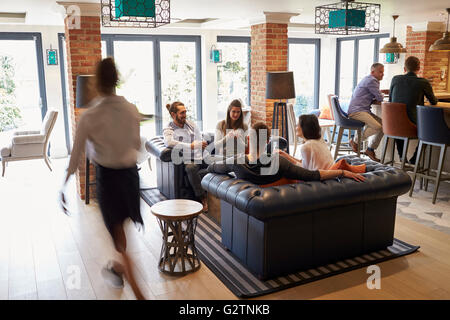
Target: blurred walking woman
[[110, 126]]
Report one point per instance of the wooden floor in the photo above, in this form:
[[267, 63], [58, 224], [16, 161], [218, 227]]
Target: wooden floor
[[47, 255]]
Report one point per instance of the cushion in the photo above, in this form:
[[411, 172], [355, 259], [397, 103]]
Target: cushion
[[32, 138], [325, 113]]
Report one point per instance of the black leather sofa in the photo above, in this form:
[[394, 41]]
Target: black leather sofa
[[172, 180], [280, 230]]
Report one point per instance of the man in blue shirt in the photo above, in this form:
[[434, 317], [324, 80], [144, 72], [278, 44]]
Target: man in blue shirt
[[365, 94]]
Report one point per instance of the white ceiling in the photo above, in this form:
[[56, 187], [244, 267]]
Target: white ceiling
[[47, 12]]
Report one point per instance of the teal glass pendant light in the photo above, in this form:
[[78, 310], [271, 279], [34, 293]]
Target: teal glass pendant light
[[135, 13], [347, 17]]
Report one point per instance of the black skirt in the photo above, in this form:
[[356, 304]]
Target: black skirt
[[118, 196]]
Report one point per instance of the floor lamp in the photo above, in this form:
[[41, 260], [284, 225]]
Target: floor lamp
[[280, 86], [85, 93]]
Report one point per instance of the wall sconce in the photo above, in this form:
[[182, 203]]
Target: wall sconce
[[52, 57], [215, 55]]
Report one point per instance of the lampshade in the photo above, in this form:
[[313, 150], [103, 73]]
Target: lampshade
[[393, 46], [280, 85], [85, 90], [442, 44]]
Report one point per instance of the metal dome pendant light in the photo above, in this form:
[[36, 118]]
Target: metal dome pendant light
[[442, 44], [393, 46]]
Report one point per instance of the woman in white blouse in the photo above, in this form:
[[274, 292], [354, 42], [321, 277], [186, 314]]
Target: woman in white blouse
[[109, 128], [230, 137], [314, 151]]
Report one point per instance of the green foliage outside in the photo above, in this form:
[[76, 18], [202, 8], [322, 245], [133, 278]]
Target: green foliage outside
[[10, 115]]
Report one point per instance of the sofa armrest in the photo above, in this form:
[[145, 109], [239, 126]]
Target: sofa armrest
[[27, 139], [266, 203], [24, 133]]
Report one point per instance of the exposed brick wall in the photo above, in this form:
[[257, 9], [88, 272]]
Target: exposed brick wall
[[83, 47], [269, 52], [417, 44]]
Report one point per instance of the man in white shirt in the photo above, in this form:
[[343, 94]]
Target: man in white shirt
[[183, 133]]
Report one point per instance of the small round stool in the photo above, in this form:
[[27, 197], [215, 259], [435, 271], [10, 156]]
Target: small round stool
[[178, 220]]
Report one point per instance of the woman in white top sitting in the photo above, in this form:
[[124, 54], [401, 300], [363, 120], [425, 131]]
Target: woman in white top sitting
[[110, 129], [314, 151], [230, 137]]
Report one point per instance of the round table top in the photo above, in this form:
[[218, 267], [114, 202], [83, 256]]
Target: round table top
[[177, 209]]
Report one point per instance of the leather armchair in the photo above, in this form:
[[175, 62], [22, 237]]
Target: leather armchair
[[172, 180]]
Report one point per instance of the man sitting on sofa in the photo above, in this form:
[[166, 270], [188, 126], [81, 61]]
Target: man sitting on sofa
[[185, 134]]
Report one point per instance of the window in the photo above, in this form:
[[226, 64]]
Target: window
[[354, 56], [153, 71], [22, 84], [233, 73], [304, 61]]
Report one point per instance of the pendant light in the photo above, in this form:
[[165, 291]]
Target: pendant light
[[442, 44], [393, 46]]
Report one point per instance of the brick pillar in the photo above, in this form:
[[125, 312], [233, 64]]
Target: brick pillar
[[83, 47], [269, 46], [269, 52], [418, 44]]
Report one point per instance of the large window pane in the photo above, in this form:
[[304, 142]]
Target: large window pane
[[20, 103], [302, 63], [232, 75], [346, 72], [365, 57], [178, 77], [134, 60]]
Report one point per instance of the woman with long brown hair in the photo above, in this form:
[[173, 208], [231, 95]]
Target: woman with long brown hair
[[231, 132], [111, 126]]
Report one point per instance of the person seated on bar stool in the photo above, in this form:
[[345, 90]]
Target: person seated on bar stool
[[366, 92], [409, 89]]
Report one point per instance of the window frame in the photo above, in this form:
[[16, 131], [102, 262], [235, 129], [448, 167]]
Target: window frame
[[37, 37], [356, 40], [109, 38], [317, 43], [236, 39]]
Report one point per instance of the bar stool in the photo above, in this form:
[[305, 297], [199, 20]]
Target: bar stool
[[433, 131], [343, 122], [396, 125]]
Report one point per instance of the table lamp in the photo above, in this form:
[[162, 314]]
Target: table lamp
[[86, 90]]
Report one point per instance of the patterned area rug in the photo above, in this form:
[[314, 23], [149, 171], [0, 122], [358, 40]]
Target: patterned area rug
[[244, 284]]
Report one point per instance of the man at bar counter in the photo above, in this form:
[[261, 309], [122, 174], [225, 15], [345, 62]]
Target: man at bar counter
[[409, 89]]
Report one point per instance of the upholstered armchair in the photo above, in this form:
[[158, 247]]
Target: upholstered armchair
[[28, 145]]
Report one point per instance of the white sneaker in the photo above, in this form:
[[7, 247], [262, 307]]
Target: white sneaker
[[112, 278]]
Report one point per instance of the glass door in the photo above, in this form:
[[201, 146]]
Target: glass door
[[304, 57], [233, 73], [135, 64], [179, 78], [22, 89]]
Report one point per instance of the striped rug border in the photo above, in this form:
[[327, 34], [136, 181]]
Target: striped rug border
[[244, 284]]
